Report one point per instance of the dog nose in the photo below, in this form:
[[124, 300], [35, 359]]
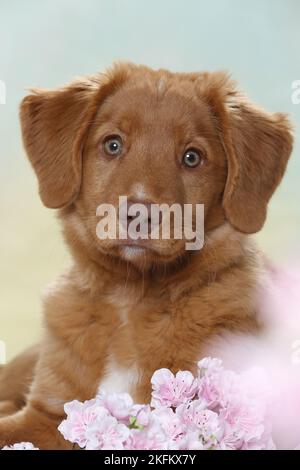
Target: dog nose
[[147, 212], [139, 206]]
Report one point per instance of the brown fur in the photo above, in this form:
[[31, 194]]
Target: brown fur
[[158, 310]]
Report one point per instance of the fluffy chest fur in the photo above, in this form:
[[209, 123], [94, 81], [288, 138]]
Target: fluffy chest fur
[[117, 338]]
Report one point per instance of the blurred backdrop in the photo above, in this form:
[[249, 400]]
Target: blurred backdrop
[[46, 43]]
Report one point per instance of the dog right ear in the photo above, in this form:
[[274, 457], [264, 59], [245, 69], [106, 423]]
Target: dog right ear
[[53, 127]]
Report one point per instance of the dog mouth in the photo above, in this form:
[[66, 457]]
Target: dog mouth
[[144, 255], [134, 249], [133, 252], [145, 252], [138, 243]]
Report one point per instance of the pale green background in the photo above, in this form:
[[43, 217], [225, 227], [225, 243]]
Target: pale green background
[[47, 42]]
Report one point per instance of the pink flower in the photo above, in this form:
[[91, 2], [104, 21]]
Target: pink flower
[[21, 446], [190, 441], [142, 414], [209, 365], [199, 419], [105, 433], [170, 390], [170, 422], [152, 437], [79, 417], [119, 405], [244, 411], [210, 390], [218, 388]]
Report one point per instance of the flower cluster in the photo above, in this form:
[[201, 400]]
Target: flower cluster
[[21, 446], [217, 409]]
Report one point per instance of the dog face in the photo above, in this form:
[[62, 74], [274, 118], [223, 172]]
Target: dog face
[[155, 137], [167, 152]]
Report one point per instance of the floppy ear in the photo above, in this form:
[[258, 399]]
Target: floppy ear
[[258, 150], [53, 126], [257, 146]]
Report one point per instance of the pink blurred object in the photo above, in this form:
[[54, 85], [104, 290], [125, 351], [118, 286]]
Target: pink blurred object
[[276, 350]]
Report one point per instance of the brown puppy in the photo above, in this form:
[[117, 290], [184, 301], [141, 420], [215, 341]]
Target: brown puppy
[[122, 311]]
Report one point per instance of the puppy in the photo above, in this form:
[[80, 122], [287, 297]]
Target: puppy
[[125, 309]]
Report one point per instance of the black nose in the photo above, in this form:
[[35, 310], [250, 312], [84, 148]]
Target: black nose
[[133, 210]]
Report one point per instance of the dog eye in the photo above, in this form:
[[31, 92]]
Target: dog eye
[[192, 158], [113, 146]]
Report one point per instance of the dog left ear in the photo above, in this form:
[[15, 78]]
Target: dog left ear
[[258, 152], [257, 146]]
